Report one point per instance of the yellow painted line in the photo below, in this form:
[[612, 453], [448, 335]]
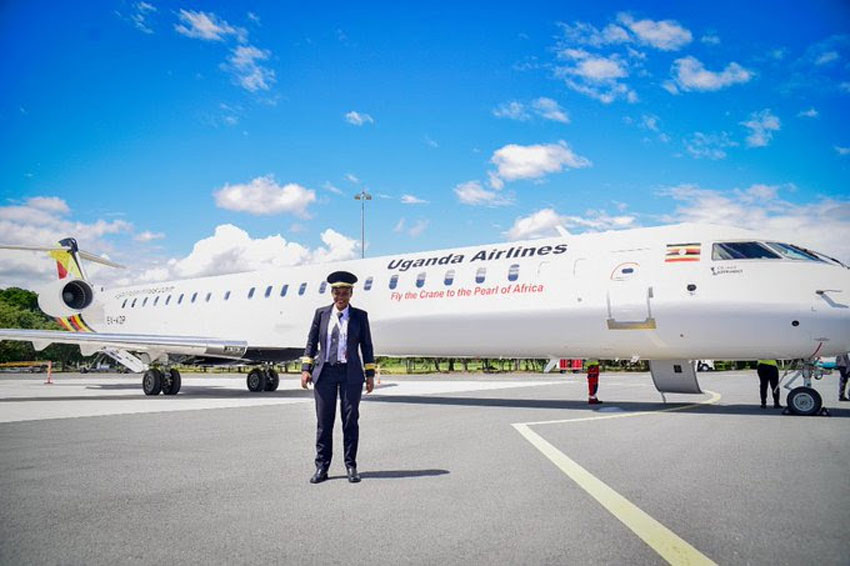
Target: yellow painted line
[[662, 540], [715, 397]]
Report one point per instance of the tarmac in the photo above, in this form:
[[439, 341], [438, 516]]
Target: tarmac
[[513, 469]]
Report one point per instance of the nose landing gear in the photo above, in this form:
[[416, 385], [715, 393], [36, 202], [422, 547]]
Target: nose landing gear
[[804, 400]]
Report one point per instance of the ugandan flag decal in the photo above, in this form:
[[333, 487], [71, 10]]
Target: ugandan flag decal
[[73, 324], [677, 253]]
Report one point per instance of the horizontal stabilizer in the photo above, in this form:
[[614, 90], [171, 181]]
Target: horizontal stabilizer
[[84, 255]]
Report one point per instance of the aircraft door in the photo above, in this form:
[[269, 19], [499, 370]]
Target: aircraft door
[[629, 297]]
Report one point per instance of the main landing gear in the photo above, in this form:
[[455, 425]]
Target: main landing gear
[[804, 400], [165, 381], [263, 379]]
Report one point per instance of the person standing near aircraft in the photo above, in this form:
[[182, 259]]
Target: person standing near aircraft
[[336, 334], [768, 372], [842, 362], [592, 382]]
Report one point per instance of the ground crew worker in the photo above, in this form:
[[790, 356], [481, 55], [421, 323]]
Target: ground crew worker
[[592, 382], [842, 362], [768, 372]]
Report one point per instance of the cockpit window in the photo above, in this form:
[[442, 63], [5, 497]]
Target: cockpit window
[[789, 251], [742, 250]]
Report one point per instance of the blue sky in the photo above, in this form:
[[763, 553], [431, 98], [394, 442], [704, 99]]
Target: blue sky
[[194, 138]]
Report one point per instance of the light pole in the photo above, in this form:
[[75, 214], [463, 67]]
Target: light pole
[[363, 196]]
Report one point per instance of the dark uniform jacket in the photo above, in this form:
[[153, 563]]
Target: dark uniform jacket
[[359, 338]]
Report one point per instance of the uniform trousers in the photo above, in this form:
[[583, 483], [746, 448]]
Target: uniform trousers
[[768, 375], [332, 383]]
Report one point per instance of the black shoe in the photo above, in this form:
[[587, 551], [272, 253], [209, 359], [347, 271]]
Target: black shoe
[[353, 476], [320, 476], [763, 406], [844, 398], [777, 406]]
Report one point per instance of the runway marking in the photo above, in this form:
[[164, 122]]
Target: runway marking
[[662, 540]]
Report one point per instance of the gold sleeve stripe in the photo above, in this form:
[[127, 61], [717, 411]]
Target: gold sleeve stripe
[[369, 366], [306, 360]]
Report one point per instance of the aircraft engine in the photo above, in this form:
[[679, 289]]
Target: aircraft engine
[[65, 297]]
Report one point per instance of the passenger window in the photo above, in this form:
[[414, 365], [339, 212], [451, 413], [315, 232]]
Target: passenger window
[[268, 291], [322, 287], [156, 300], [741, 250], [124, 304], [209, 296], [393, 281], [133, 304], [194, 296], [180, 299], [302, 288], [450, 277], [227, 295], [368, 284], [513, 272], [167, 300], [144, 302], [284, 289], [420, 280], [251, 292], [481, 275]]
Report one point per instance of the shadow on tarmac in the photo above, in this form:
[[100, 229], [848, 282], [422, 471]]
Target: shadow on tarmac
[[627, 406]]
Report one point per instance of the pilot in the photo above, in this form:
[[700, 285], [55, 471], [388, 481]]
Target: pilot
[[332, 363], [592, 382], [768, 373]]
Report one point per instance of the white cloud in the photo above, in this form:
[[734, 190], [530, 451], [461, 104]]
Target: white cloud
[[399, 227], [431, 142], [827, 57], [49, 204], [810, 113], [596, 76], [330, 187], [206, 26], [247, 73], [690, 74], [43, 221], [582, 33], [139, 17], [544, 107], [351, 178], [418, 228], [472, 193], [710, 39], [550, 109], [822, 225], [537, 225], [264, 196], [410, 199], [708, 146], [513, 110], [358, 119], [543, 223], [232, 250], [666, 35], [761, 124], [842, 150], [533, 161], [148, 236]]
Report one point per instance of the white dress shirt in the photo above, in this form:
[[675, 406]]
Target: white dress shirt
[[343, 334]]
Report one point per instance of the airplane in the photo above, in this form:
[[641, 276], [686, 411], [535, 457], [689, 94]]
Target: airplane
[[666, 294]]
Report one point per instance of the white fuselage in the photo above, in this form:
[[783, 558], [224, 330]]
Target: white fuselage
[[609, 295]]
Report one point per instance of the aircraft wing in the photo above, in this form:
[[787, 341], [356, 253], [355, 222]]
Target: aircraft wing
[[90, 342]]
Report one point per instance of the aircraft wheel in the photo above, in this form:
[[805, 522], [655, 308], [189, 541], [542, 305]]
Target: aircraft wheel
[[702, 367], [152, 382], [272, 380], [804, 401], [256, 380], [173, 381]]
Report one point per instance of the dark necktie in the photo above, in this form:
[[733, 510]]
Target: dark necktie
[[332, 355]]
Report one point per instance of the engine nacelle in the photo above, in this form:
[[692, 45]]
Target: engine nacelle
[[65, 297]]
